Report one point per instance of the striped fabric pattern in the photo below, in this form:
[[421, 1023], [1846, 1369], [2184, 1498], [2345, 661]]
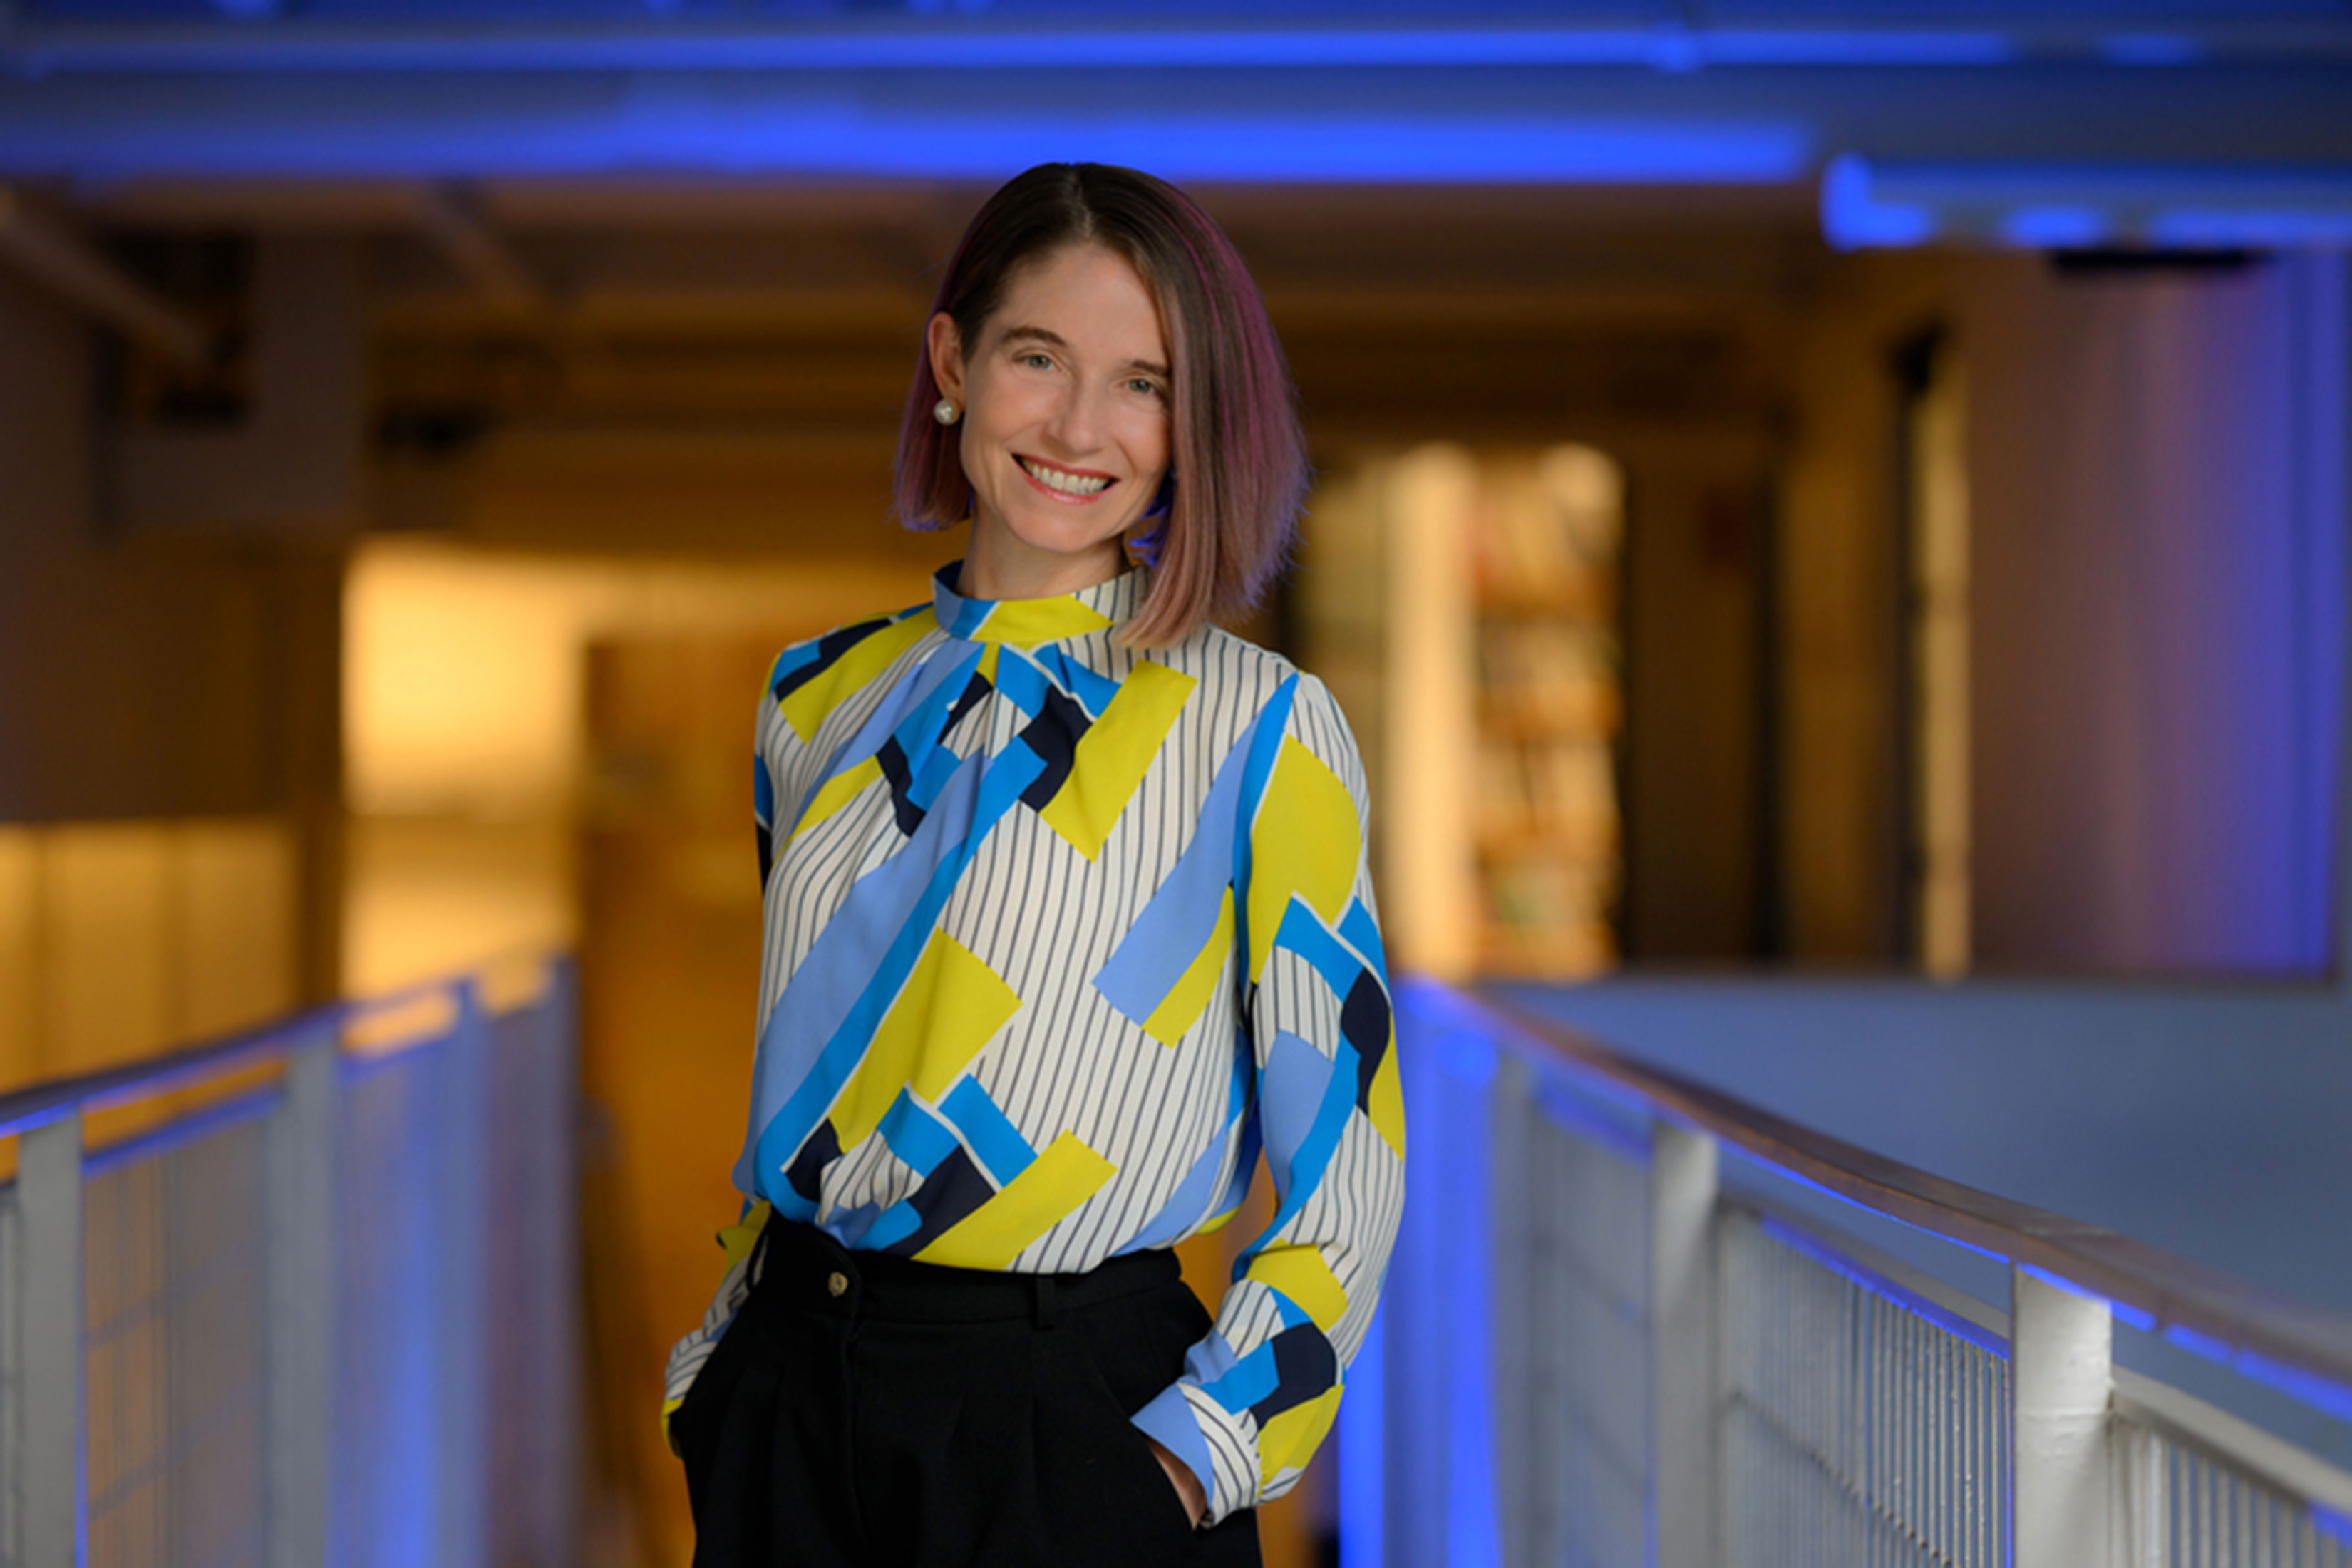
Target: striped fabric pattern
[[1059, 935]]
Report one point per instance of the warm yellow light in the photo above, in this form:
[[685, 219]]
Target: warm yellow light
[[19, 960], [461, 682], [122, 940], [465, 727], [1433, 900]]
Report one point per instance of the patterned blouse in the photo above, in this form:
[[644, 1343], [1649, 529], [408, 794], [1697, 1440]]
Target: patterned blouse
[[1059, 933]]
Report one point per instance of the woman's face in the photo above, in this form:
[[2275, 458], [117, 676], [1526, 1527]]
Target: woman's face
[[1066, 422]]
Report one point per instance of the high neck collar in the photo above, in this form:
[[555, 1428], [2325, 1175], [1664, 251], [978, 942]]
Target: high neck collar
[[1025, 623]]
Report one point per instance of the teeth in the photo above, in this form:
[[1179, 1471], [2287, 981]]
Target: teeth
[[1069, 484]]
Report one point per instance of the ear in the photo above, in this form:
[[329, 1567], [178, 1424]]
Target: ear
[[945, 347]]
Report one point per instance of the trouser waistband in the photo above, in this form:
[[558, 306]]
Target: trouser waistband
[[809, 1269]]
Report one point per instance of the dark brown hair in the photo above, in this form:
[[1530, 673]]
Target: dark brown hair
[[1237, 462]]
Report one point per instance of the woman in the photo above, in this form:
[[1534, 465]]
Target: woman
[[1067, 914]]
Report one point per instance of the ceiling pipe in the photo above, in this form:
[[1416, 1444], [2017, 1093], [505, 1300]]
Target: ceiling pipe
[[71, 268]]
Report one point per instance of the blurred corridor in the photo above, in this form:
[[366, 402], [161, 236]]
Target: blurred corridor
[[1830, 527]]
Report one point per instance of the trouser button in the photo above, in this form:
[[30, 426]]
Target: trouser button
[[837, 1284]]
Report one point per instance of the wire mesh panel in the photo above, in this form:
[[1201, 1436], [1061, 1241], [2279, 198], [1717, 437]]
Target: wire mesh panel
[[2183, 1508], [532, 1287], [386, 1404], [1587, 1368], [1857, 1427], [334, 1320], [456, 1394], [174, 1349]]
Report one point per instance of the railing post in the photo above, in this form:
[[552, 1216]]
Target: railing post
[[55, 1478], [461, 1150], [303, 1306], [1682, 1347], [2062, 1351], [559, 1347], [1510, 1248]]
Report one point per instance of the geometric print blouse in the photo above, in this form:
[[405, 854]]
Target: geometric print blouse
[[1060, 935]]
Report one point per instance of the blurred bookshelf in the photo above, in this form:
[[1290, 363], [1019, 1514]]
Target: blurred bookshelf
[[1462, 606]]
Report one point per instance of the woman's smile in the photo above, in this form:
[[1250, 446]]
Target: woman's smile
[[1064, 484]]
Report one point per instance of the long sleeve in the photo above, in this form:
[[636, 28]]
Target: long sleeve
[[1260, 1392], [687, 1355]]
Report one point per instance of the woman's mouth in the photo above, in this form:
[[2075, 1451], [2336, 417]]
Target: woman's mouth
[[1064, 484]]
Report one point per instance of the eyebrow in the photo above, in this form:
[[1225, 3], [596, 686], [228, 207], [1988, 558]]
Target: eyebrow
[[1056, 340]]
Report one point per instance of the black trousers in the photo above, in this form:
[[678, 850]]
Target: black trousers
[[871, 1412]]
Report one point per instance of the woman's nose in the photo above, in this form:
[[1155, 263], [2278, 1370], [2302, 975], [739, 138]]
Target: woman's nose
[[1078, 420]]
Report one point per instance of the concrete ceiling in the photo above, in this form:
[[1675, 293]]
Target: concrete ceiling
[[694, 214], [94, 93]]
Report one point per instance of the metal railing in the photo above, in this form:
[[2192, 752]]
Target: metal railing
[[326, 1313], [1604, 1343]]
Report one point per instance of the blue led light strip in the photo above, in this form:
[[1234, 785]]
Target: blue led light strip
[[1877, 1284], [1865, 203], [322, 45], [780, 136]]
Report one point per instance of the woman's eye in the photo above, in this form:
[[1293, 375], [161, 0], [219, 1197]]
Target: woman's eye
[[1144, 388]]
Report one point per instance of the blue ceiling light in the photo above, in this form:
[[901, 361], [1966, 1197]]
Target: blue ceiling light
[[929, 38], [2054, 227], [1867, 202], [1856, 46], [685, 126], [1854, 217], [2250, 227], [2151, 49], [1348, 149]]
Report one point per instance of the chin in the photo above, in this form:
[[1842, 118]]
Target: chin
[[1074, 542]]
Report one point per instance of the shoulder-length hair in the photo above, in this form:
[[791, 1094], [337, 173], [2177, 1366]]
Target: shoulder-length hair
[[1238, 461]]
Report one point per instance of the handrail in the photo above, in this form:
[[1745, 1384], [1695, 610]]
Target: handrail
[[38, 1104], [43, 1103], [2258, 1332]]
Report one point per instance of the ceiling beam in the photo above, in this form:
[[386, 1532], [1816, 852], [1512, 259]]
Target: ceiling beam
[[453, 227], [54, 257]]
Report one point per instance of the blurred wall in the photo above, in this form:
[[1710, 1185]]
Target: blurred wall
[[1836, 587], [140, 675], [1698, 544], [2159, 522], [168, 745], [121, 939], [2158, 583]]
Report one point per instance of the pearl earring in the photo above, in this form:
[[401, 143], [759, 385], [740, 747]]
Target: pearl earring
[[945, 411]]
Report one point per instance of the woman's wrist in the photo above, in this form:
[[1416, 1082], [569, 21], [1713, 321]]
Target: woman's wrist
[[1181, 1477]]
